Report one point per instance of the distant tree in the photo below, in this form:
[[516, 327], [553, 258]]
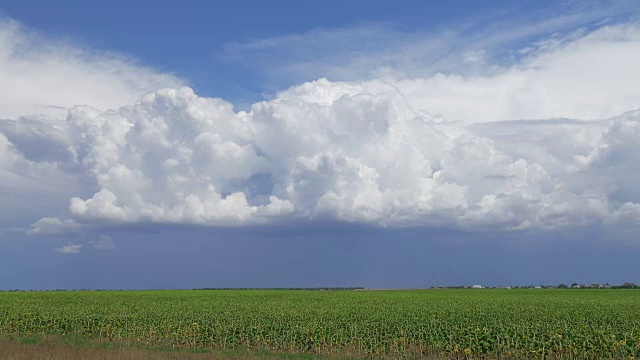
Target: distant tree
[[563, 286], [574, 284]]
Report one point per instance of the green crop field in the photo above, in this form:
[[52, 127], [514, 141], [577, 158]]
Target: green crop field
[[429, 323]]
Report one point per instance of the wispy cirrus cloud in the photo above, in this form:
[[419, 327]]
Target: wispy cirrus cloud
[[497, 66], [42, 74], [478, 45], [586, 75]]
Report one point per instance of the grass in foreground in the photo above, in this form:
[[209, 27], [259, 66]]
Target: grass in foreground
[[576, 324]]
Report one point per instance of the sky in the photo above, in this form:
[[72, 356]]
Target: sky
[[290, 144]]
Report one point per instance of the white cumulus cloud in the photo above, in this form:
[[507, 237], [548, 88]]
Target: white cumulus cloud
[[369, 152], [351, 152], [41, 78]]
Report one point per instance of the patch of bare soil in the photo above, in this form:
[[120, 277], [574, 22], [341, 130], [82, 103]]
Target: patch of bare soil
[[53, 350]]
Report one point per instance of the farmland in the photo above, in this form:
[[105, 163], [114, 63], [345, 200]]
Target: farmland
[[427, 323]]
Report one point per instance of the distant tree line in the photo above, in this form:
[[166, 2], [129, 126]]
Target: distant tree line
[[339, 288], [351, 288], [290, 288], [560, 286]]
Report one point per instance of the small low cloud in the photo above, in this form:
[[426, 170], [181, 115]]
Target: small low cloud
[[69, 249], [103, 243]]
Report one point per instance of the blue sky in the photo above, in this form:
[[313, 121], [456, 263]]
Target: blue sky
[[203, 42], [373, 144]]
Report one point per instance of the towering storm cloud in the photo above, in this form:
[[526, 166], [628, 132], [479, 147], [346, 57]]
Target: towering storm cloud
[[351, 152], [374, 152]]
